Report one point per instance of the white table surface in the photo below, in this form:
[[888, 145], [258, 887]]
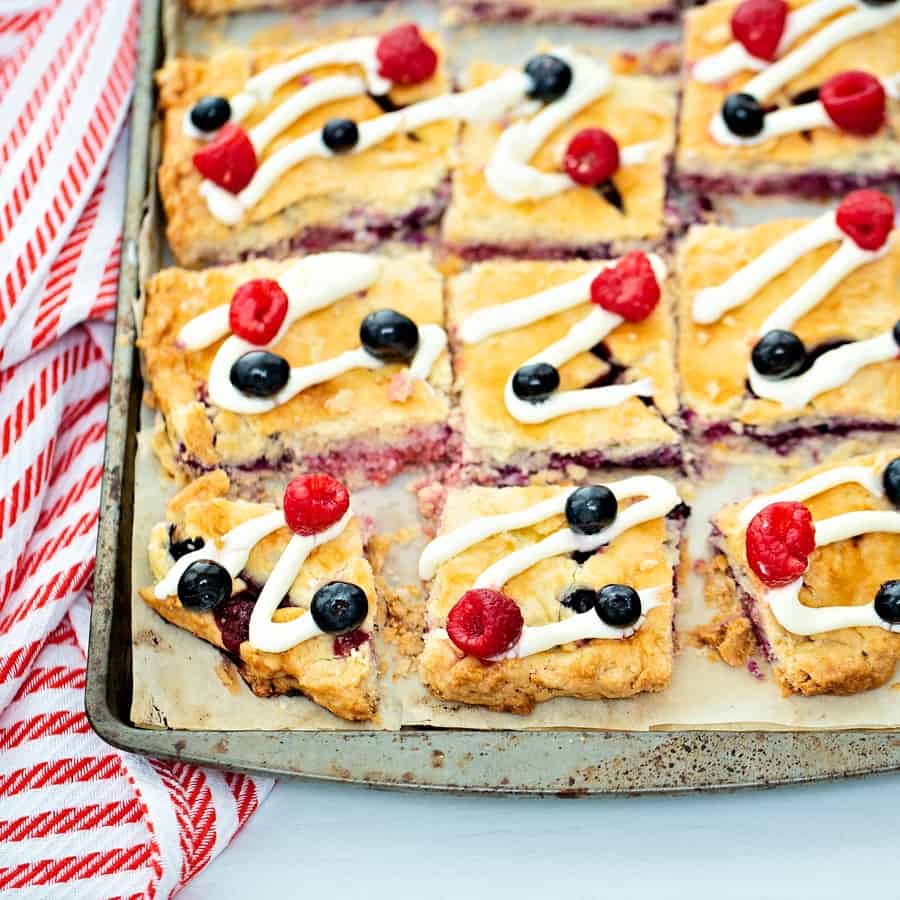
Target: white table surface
[[329, 840]]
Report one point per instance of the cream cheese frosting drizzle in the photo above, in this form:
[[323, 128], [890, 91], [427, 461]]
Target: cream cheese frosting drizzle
[[581, 337]]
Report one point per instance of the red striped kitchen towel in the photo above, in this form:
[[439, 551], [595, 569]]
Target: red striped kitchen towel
[[77, 818]]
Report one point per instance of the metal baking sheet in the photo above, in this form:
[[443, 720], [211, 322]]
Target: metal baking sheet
[[578, 762]]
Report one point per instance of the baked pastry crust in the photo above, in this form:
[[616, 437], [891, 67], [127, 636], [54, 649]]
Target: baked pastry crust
[[320, 424], [345, 685], [846, 573], [815, 162], [628, 432], [713, 359], [348, 199], [643, 556], [479, 223]]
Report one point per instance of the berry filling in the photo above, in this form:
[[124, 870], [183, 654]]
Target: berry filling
[[780, 539], [233, 619], [628, 289], [229, 160], [257, 311], [854, 101], [313, 503], [866, 217], [485, 623], [591, 157], [345, 644], [404, 57], [758, 25]]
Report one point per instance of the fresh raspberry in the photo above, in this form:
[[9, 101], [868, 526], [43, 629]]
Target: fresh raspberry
[[315, 502], [866, 217], [233, 619], [591, 157], [257, 310], [759, 25], [228, 160], [404, 57], [345, 644], [629, 288], [855, 102], [780, 538], [485, 623]]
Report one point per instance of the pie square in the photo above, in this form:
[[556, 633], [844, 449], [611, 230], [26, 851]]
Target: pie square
[[858, 312], [395, 187], [337, 672], [822, 634], [642, 555], [800, 151], [633, 431], [490, 215], [623, 13], [363, 424]]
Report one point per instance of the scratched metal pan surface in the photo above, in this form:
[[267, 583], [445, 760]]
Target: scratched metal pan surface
[[569, 762]]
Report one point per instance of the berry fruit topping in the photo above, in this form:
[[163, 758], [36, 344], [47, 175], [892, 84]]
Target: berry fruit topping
[[485, 623], [580, 599], [618, 605], [345, 644], [896, 332], [535, 382], [591, 157], [210, 113], [628, 289], [780, 538], [759, 25], [260, 373], [203, 585], [550, 77], [778, 354], [339, 607], [188, 545], [257, 310], [233, 619], [854, 101], [878, 2], [340, 135], [313, 503], [404, 57], [743, 115], [389, 335], [887, 602], [228, 160], [866, 217], [891, 481], [591, 509]]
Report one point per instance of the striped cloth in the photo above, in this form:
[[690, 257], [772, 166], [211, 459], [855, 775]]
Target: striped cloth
[[77, 818]]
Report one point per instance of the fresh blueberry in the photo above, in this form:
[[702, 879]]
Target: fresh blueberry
[[580, 599], [182, 548], [389, 335], [891, 481], [210, 114], [887, 602], [778, 354], [618, 605], [550, 76], [878, 2], [203, 585], [535, 382], [896, 332], [340, 135], [339, 607], [260, 373], [743, 114], [591, 509]]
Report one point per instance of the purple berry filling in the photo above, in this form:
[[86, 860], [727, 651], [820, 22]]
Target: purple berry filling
[[233, 619], [806, 185], [345, 644], [502, 11]]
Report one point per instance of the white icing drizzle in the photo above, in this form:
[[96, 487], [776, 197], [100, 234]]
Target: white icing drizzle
[[310, 284], [581, 337]]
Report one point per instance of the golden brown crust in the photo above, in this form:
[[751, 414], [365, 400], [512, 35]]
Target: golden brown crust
[[707, 31], [713, 359], [598, 668], [347, 686], [847, 573]]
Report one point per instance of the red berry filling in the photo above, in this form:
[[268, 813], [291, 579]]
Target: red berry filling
[[780, 538], [759, 25], [228, 160], [854, 101], [315, 502], [866, 217], [485, 623], [591, 157], [404, 57], [345, 644], [629, 288], [233, 619], [257, 310]]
